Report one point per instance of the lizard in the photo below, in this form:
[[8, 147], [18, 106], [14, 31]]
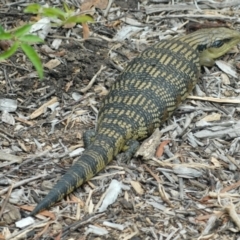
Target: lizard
[[143, 96]]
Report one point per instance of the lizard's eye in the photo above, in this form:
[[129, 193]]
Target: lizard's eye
[[217, 44]]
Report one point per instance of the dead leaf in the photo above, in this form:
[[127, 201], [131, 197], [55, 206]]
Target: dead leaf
[[35, 18], [69, 25], [42, 109], [5, 233], [212, 117], [225, 79], [215, 162], [203, 217], [60, 54], [59, 236], [46, 49], [4, 45], [89, 4], [160, 148], [52, 53], [100, 90], [114, 24], [148, 147], [77, 200], [205, 199], [2, 237], [68, 85], [52, 63], [86, 31], [227, 68], [23, 146], [10, 214], [231, 210], [137, 187]]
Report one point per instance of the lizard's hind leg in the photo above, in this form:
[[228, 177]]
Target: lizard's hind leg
[[129, 150], [88, 137]]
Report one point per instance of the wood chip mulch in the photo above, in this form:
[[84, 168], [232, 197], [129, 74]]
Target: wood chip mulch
[[184, 181]]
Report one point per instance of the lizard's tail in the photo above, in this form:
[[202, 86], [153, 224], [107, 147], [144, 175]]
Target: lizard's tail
[[93, 160]]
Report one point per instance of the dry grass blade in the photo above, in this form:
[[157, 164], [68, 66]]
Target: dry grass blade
[[217, 100]]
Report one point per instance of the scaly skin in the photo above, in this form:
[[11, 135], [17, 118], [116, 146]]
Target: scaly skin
[[145, 94]]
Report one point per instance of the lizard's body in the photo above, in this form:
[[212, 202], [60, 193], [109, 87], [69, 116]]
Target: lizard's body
[[145, 94]]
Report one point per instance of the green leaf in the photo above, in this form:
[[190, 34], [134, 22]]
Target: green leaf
[[1, 29], [34, 58], [33, 8], [30, 39], [67, 8], [22, 30], [5, 36], [79, 19], [54, 12], [8, 53]]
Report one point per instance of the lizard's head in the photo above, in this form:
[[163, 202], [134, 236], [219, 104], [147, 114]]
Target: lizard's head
[[215, 42]]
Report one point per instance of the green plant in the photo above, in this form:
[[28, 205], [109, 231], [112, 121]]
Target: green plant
[[21, 38], [64, 17]]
